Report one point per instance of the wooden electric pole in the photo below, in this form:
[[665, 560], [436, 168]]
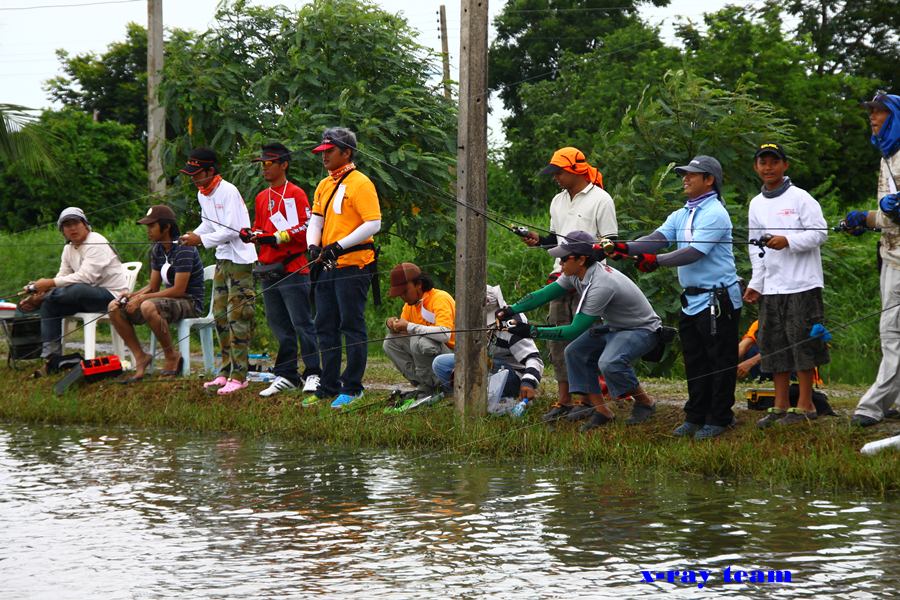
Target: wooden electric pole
[[471, 373], [445, 52], [156, 114]]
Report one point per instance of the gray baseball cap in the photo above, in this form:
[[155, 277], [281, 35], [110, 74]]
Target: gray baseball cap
[[703, 164], [69, 214], [574, 242]]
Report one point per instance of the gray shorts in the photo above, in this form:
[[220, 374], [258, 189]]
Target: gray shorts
[[784, 324], [170, 309]]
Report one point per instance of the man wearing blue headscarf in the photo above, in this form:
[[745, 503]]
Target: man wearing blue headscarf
[[884, 117]]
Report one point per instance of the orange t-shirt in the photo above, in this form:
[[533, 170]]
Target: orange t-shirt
[[436, 308], [751, 332], [349, 208]]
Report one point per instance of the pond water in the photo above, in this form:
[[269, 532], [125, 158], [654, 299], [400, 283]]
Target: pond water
[[109, 513]]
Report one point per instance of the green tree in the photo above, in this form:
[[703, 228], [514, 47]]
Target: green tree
[[851, 37], [112, 84], [746, 46], [102, 166], [18, 142], [583, 105], [273, 73], [533, 36]]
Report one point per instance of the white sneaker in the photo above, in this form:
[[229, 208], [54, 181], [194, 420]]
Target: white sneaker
[[279, 385], [311, 385]]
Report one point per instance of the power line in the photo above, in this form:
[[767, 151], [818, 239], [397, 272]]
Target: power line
[[563, 10], [40, 6]]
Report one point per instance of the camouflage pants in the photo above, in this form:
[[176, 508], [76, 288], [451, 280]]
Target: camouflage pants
[[233, 310]]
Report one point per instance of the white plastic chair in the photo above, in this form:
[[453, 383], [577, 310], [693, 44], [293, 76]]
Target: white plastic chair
[[90, 320], [205, 326]]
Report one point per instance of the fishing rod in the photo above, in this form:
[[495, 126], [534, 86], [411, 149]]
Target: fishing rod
[[107, 243]]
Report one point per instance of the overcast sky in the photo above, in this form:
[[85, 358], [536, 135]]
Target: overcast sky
[[30, 35]]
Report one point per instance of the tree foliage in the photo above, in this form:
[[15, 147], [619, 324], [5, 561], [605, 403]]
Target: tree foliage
[[850, 36], [101, 169], [738, 48], [114, 84], [742, 46], [262, 74], [533, 35], [583, 104], [18, 142]]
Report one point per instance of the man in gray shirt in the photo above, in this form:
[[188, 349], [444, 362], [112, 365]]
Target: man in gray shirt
[[613, 325]]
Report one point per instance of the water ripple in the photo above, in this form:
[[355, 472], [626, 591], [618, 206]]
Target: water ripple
[[120, 514]]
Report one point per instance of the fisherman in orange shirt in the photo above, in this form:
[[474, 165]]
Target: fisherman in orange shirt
[[423, 331], [345, 216]]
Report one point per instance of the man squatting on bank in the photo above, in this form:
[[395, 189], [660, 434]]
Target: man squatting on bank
[[628, 330]]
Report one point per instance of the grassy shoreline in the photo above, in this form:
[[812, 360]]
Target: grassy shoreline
[[823, 456]]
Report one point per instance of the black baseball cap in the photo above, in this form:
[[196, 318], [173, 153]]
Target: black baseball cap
[[770, 148], [200, 159], [274, 151], [878, 101]]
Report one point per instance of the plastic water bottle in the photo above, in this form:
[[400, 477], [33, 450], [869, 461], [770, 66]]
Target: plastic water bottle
[[260, 376], [519, 409], [879, 445]]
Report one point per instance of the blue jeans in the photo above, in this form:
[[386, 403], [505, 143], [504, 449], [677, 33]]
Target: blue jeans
[[609, 352], [340, 313], [64, 301], [289, 315], [444, 364]]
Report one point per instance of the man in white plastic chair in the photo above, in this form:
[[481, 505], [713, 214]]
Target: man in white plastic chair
[[90, 276]]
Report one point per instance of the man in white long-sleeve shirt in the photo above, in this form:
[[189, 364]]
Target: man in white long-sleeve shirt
[[223, 214], [345, 216], [787, 282], [90, 276]]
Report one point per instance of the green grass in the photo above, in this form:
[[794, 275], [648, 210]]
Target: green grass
[[823, 456]]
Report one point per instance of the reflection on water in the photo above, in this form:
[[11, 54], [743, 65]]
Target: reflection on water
[[122, 514]]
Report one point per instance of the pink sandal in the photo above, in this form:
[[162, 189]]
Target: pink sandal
[[216, 383], [232, 385]]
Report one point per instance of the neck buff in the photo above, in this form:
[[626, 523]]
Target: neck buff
[[210, 187], [700, 199], [888, 138], [785, 184], [338, 173]]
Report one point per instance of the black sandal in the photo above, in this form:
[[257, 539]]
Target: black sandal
[[176, 372]]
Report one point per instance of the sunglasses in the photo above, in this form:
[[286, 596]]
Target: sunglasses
[[565, 258], [269, 163]]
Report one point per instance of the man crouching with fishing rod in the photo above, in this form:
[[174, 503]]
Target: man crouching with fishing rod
[[628, 331]]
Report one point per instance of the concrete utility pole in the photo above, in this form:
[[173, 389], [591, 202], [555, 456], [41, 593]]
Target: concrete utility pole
[[445, 52], [156, 114], [471, 373]]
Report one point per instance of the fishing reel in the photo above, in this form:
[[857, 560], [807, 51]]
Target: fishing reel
[[31, 288], [844, 227], [328, 264], [520, 230], [507, 324], [761, 243]]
